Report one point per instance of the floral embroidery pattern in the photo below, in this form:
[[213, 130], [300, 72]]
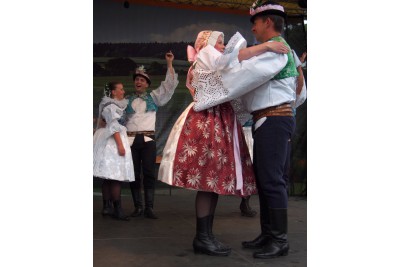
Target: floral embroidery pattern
[[204, 159]]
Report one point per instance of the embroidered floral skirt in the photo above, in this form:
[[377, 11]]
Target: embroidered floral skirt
[[200, 153]]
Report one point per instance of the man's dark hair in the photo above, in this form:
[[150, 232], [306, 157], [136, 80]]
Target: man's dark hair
[[278, 21]]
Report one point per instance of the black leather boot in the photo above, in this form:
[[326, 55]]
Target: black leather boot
[[265, 235], [245, 208], [107, 208], [137, 200], [257, 243], [278, 245], [210, 233], [118, 212], [137, 212], [149, 200], [204, 243]]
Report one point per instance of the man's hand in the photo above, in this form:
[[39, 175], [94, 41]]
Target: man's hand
[[169, 57], [277, 47]]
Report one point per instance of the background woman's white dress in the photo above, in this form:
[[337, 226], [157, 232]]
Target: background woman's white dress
[[107, 163]]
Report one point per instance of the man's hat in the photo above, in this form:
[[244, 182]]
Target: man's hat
[[266, 8], [140, 71]]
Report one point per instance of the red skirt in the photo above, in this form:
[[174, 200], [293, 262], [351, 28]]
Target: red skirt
[[205, 157]]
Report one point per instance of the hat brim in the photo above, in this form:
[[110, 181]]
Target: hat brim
[[138, 74], [269, 12]]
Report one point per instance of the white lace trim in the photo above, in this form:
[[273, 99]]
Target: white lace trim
[[208, 84], [235, 39], [241, 113]]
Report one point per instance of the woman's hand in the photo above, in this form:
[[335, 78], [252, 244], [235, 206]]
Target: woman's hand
[[121, 150], [277, 47], [303, 57], [120, 146]]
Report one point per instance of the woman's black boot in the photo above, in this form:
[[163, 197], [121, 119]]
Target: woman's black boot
[[107, 208], [118, 212], [210, 233], [204, 242]]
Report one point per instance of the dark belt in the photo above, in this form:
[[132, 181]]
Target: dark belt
[[280, 110], [147, 133]]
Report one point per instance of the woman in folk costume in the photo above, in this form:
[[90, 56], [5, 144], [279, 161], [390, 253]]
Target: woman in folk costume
[[112, 159], [206, 151], [269, 93]]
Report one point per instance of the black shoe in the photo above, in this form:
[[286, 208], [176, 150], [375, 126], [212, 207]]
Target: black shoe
[[118, 212], [137, 199], [219, 244], [137, 212], [148, 213], [273, 249], [257, 243], [107, 208], [149, 201], [206, 244], [120, 216], [245, 208], [278, 245]]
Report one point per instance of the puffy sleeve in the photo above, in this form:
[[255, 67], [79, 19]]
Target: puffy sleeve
[[164, 92], [240, 79], [207, 77], [112, 113], [231, 53], [210, 58]]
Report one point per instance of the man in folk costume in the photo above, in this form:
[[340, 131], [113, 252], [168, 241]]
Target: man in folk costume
[[268, 92], [273, 129], [141, 121]]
